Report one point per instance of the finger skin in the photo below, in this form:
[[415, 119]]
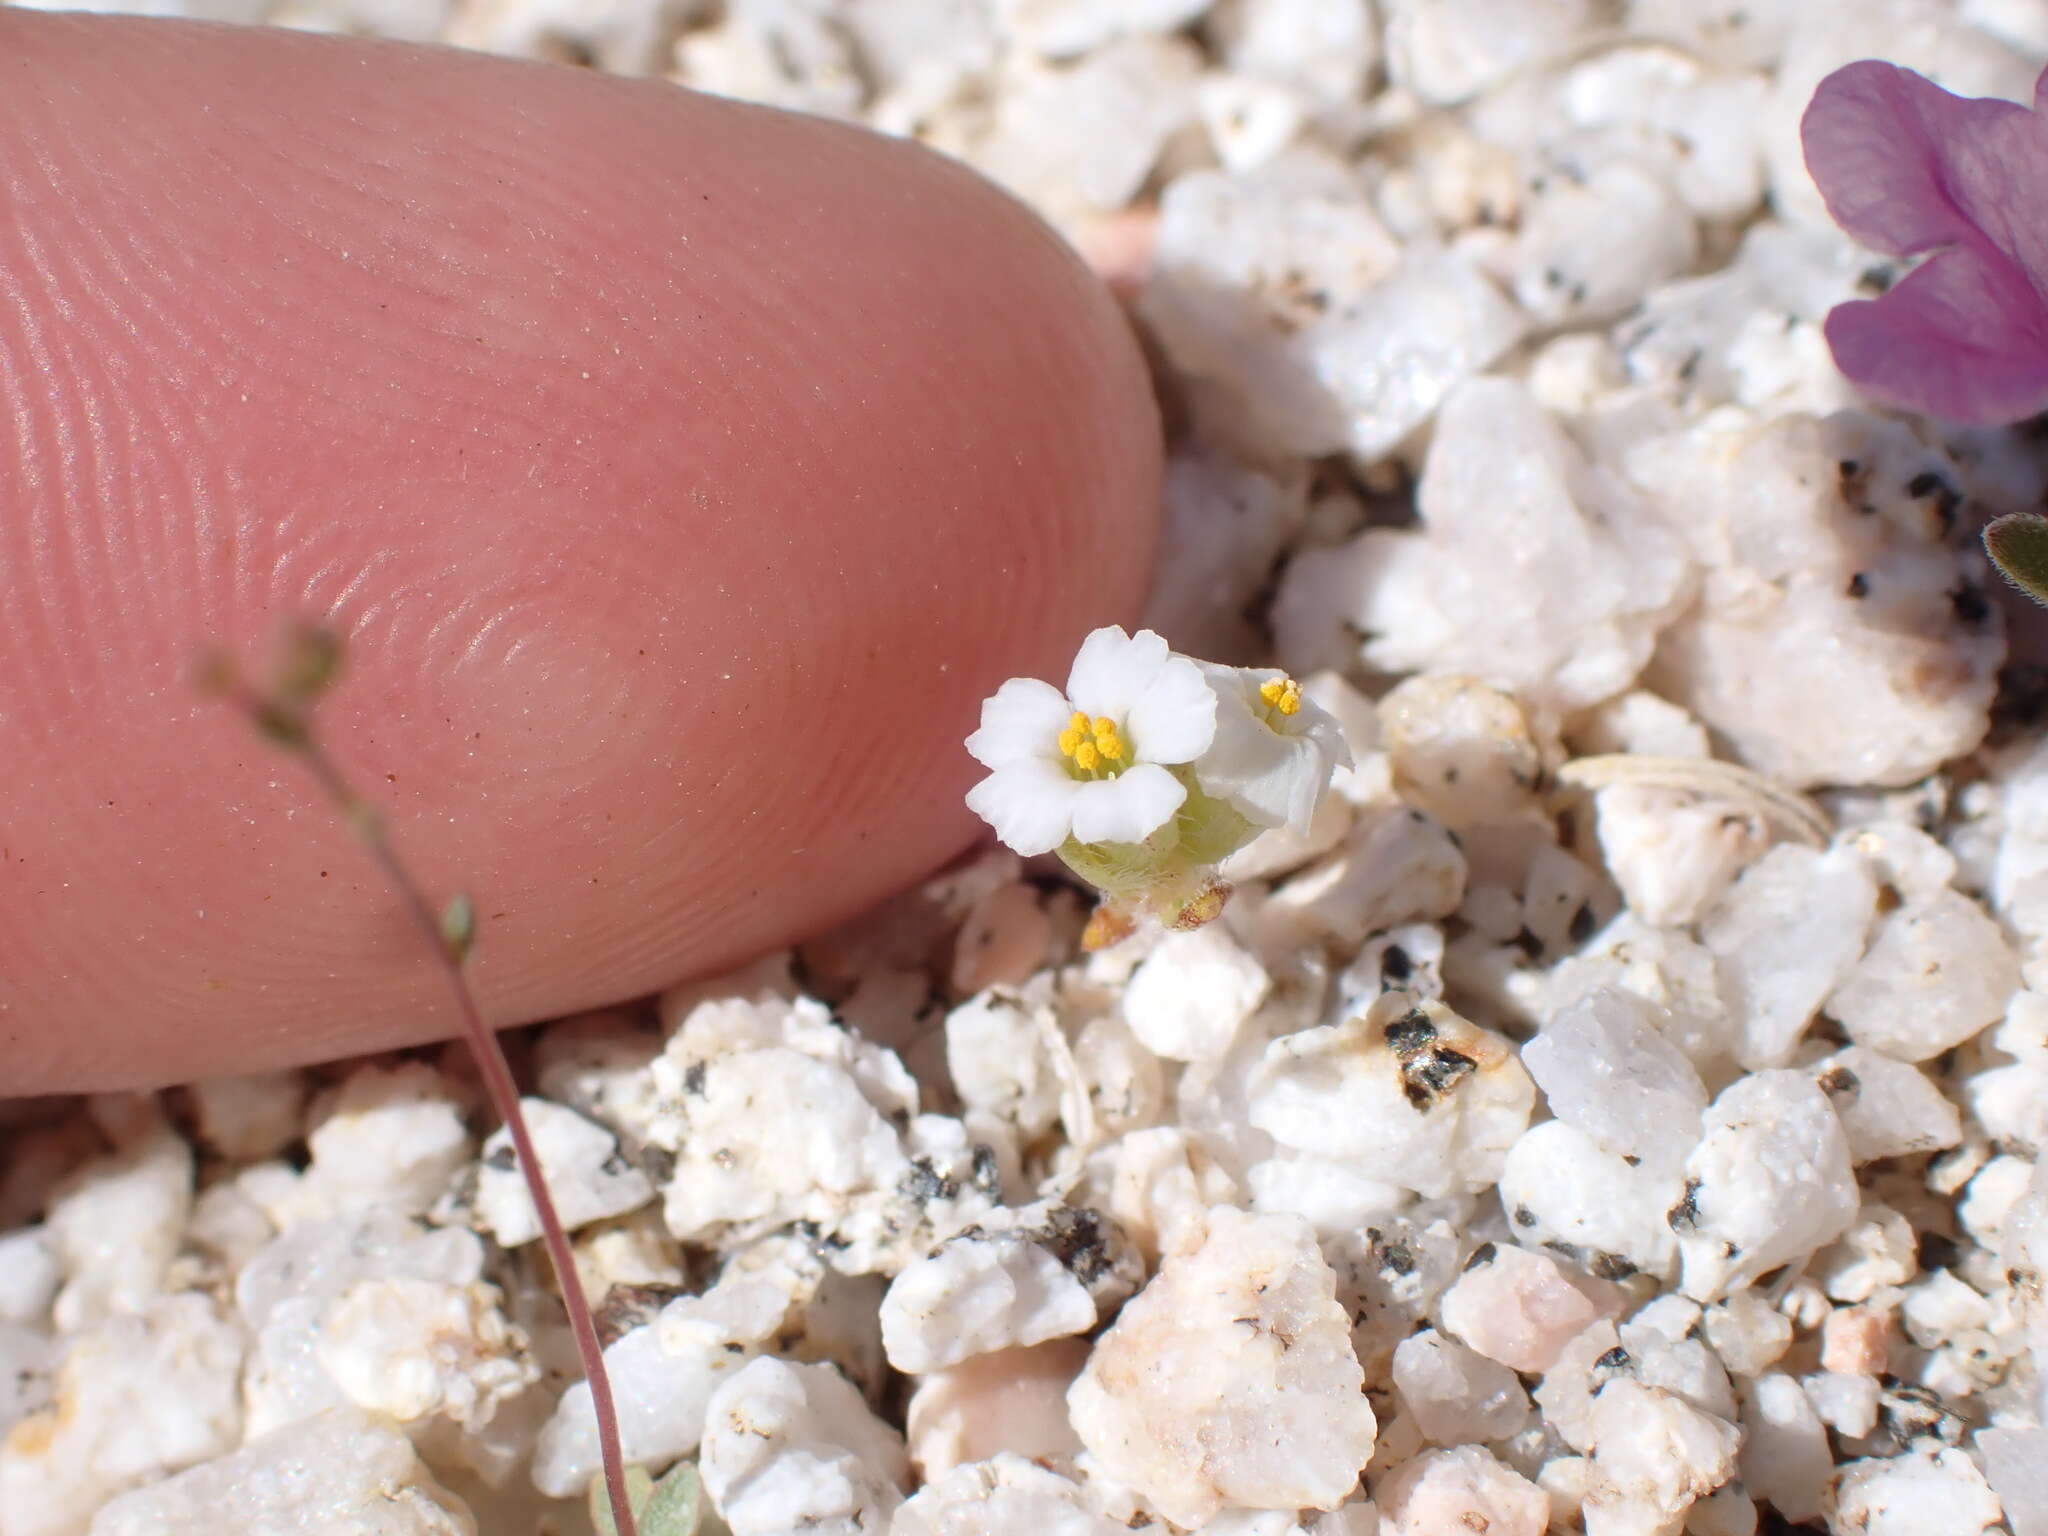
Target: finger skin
[[680, 473]]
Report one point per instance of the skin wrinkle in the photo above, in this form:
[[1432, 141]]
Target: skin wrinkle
[[669, 664]]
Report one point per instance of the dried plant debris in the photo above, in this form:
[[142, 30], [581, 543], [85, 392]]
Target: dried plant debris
[[1618, 1104]]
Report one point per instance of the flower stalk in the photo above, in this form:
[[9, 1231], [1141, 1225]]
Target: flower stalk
[[284, 714]]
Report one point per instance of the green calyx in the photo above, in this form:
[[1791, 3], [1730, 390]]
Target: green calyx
[[1172, 872]]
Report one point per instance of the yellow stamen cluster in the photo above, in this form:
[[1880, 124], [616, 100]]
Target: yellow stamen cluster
[[1093, 745], [1282, 694]]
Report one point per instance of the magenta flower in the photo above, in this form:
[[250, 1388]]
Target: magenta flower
[[1907, 168]]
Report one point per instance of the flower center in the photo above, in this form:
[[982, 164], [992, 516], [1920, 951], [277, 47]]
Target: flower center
[[1092, 748], [1282, 696]]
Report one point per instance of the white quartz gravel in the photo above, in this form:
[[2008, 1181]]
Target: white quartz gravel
[[1623, 1110]]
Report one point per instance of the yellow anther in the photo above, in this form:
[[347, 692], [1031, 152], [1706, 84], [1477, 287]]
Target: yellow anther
[[1092, 744], [1283, 694]]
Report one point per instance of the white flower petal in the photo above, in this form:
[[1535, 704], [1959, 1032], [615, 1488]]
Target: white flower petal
[[1322, 728], [1031, 805], [1023, 718], [1273, 772], [1128, 808], [1266, 784], [1174, 719], [1113, 669], [1309, 776]]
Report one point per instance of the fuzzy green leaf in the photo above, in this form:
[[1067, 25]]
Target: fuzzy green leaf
[[2018, 546], [675, 1506], [638, 1487]]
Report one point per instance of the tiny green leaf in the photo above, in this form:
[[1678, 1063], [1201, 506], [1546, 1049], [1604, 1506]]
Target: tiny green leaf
[[2018, 546], [638, 1486], [677, 1507], [458, 926]]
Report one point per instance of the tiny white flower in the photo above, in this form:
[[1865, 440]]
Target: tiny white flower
[[1274, 746], [1092, 763]]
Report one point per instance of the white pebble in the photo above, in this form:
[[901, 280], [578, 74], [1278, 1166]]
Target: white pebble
[[1018, 1276], [587, 1178], [411, 1347], [1784, 935], [1591, 246], [389, 1138], [1911, 1495], [1566, 612], [662, 1377], [596, 1064], [28, 1358], [1666, 1351], [1653, 1455], [2016, 1464], [247, 1119], [794, 1448], [1784, 532], [1188, 998], [1937, 971], [1559, 1185], [1747, 1332], [1005, 1496], [1011, 1402], [1606, 1066], [997, 1058], [1877, 1252], [1847, 1404], [779, 1115], [1994, 1195], [1786, 1458], [1230, 1380], [1409, 1093], [1064, 28], [140, 1395], [1457, 1395], [1466, 1489], [1672, 854], [1249, 121], [1325, 47], [1770, 1182], [1664, 967], [1523, 1308], [1449, 50], [1888, 1108], [1397, 866], [283, 1293], [115, 1221], [343, 1473], [1460, 750], [30, 1269], [2011, 1105]]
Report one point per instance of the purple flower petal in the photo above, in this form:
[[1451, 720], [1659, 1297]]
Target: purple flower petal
[[1907, 168]]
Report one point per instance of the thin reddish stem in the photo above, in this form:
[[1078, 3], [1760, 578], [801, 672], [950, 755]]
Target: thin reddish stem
[[497, 1076]]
